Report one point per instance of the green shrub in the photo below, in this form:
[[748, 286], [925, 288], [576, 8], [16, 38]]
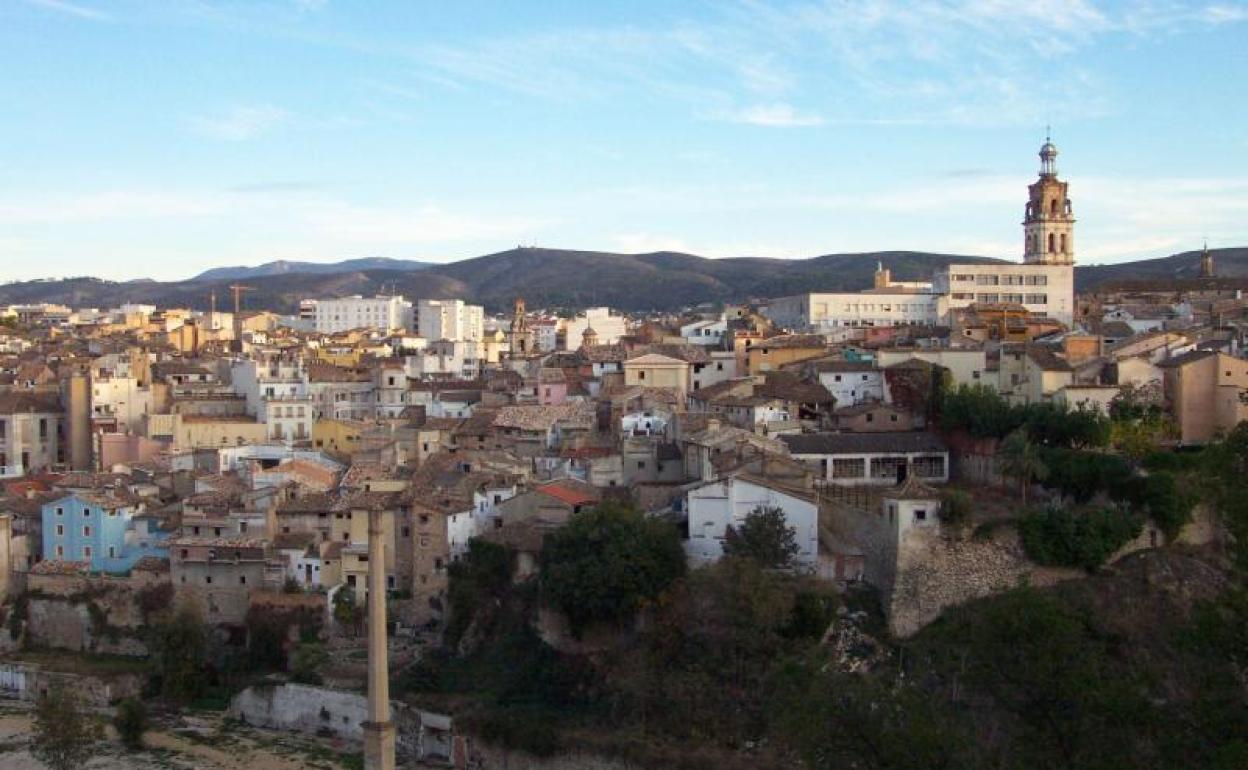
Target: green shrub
[[1073, 538], [131, 722]]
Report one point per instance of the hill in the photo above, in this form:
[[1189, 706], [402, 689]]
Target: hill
[[559, 277], [1228, 263], [286, 267], [634, 282]]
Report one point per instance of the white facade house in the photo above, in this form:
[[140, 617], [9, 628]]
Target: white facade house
[[714, 507], [450, 319], [484, 516], [608, 326], [288, 418], [721, 367], [852, 382], [705, 332], [346, 313]]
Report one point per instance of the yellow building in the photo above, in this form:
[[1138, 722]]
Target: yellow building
[[201, 432], [657, 371], [337, 435], [1207, 392], [774, 352]]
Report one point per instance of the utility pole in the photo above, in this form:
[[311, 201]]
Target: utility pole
[[238, 290]]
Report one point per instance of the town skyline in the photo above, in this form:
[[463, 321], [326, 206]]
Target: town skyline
[[157, 143]]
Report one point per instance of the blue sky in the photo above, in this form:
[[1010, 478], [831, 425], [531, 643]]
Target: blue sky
[[156, 139]]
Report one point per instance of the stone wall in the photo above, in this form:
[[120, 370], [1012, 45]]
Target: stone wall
[[935, 571], [26, 682], [87, 614], [339, 713]]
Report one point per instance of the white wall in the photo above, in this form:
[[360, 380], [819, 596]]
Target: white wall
[[713, 507]]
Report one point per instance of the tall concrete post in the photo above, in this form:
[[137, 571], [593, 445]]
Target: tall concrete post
[[378, 730]]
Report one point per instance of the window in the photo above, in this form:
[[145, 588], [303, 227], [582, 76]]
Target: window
[[986, 280], [60, 530], [920, 515], [112, 552], [242, 580], [86, 513], [86, 532], [60, 511], [642, 375], [60, 551], [208, 579]]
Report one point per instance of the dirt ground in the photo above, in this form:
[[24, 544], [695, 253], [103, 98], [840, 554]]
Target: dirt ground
[[198, 742]]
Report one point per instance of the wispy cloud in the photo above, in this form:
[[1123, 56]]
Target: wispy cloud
[[240, 123], [72, 9], [778, 115]]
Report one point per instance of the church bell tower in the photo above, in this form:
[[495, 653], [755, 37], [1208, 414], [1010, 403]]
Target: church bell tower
[[1049, 223]]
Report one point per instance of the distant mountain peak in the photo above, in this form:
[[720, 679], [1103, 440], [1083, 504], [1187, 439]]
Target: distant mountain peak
[[287, 267]]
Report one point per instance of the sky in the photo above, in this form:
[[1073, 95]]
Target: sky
[[157, 139]]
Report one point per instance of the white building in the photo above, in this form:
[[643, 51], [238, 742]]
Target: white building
[[715, 506], [606, 325], [821, 311], [852, 382], [450, 319], [346, 313], [705, 332]]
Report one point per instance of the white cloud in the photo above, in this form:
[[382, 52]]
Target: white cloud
[[71, 9], [241, 122], [778, 115]]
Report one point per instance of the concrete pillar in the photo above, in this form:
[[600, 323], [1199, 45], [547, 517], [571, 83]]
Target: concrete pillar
[[378, 730]]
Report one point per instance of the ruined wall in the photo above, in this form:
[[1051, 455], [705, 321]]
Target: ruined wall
[[934, 571], [28, 682], [87, 614]]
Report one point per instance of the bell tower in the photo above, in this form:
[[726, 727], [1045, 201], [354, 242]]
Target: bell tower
[[1049, 222]]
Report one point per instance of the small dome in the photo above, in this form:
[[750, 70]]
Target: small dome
[[1048, 150]]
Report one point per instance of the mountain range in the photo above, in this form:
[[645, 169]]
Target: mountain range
[[564, 278]]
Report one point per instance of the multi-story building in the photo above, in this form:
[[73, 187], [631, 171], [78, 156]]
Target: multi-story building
[[31, 433], [221, 572], [346, 313], [885, 307], [450, 319], [106, 532], [608, 328], [1207, 393]]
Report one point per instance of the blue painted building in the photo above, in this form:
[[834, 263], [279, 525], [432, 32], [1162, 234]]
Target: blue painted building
[[108, 533]]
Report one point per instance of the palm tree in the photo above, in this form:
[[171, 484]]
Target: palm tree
[[1021, 459]]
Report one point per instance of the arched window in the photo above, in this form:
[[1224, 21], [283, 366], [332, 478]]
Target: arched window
[[1052, 243], [1053, 207], [1063, 243]]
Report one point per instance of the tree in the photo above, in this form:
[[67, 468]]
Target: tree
[[483, 573], [130, 722], [63, 734], [306, 662], [347, 613], [180, 648], [607, 562], [1021, 459], [765, 537], [1072, 538]]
